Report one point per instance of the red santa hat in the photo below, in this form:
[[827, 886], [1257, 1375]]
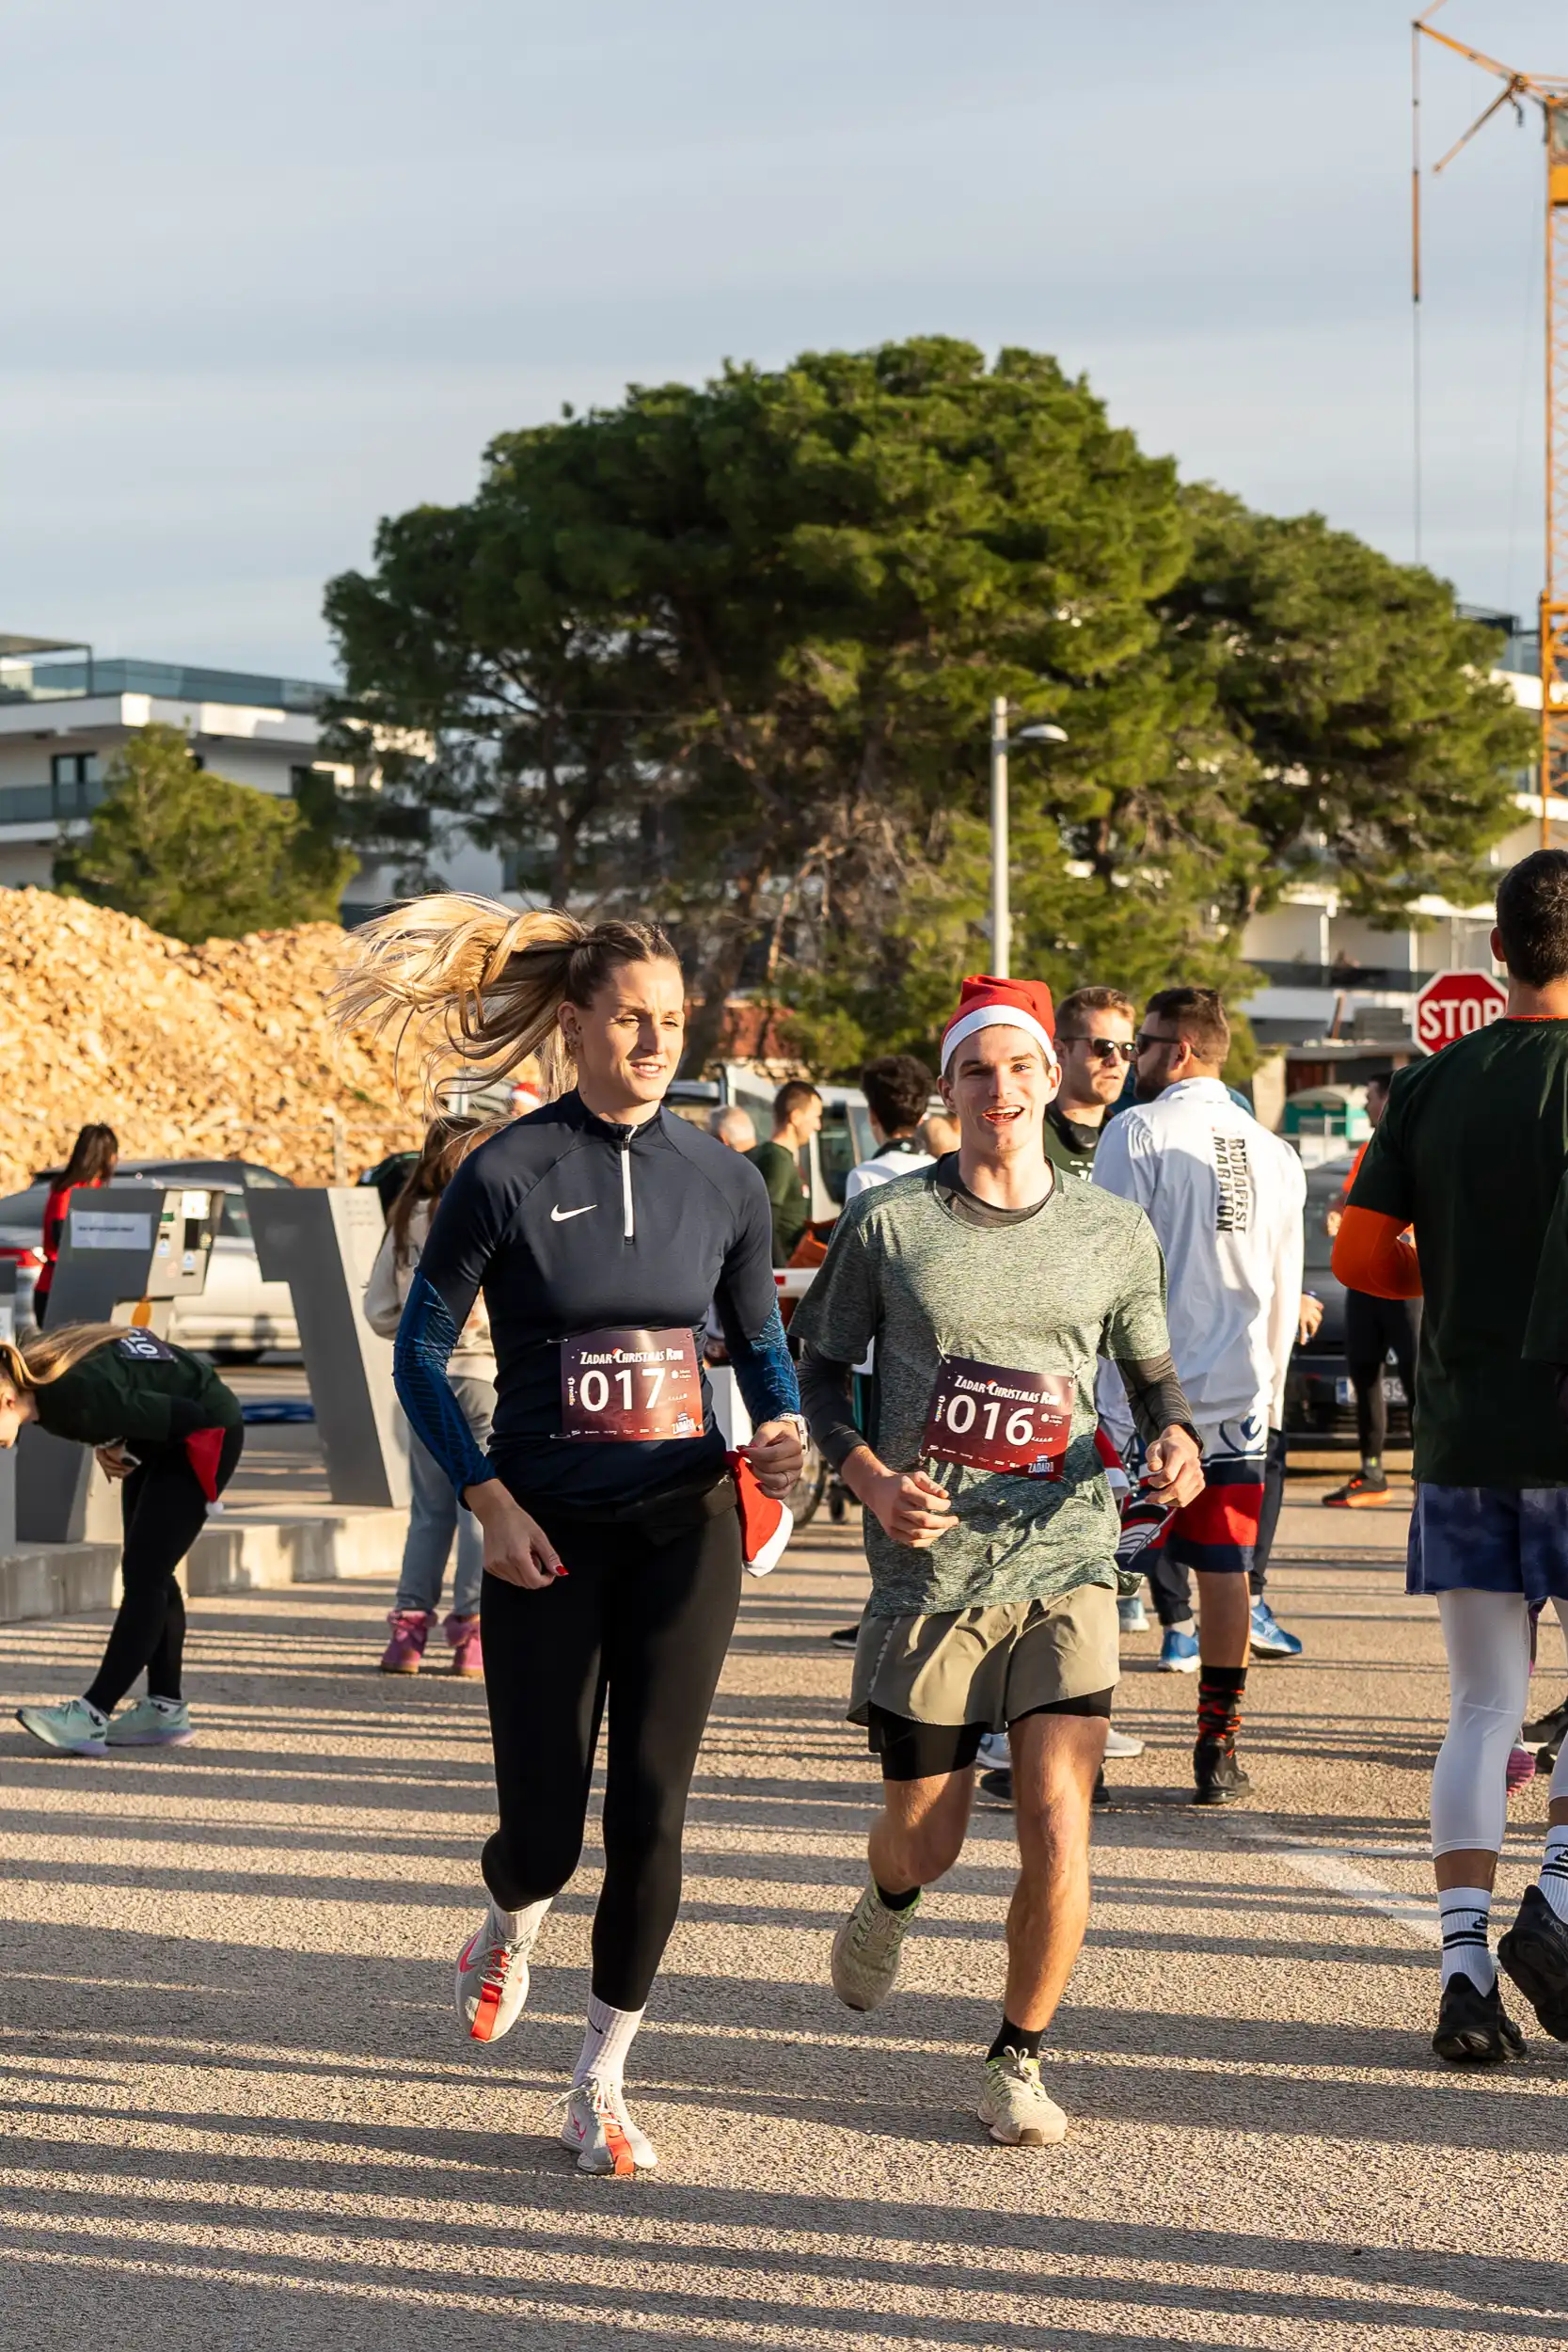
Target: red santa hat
[[987, 1003]]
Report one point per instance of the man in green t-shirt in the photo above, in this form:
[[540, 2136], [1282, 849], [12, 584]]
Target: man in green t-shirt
[[796, 1117], [1093, 1038], [991, 1288], [1469, 1157]]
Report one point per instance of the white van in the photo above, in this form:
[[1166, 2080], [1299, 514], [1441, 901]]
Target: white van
[[842, 1140]]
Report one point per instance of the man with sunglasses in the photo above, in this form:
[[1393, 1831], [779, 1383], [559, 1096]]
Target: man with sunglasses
[[1093, 1038], [1226, 1199]]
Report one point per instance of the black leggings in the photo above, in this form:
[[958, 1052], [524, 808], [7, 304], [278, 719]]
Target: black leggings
[[164, 1510], [1372, 1326], [646, 1623]]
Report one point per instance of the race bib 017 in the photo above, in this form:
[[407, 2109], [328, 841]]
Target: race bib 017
[[625, 1385], [991, 1419]]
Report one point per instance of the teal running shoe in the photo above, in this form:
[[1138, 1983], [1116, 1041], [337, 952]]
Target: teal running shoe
[[153, 1724], [73, 1727]]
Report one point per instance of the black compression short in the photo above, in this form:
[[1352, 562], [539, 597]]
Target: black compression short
[[911, 1751]]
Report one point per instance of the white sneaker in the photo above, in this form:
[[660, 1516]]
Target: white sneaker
[[599, 2128], [1122, 1743], [492, 1971], [995, 1755], [864, 1964], [73, 1727], [1015, 2107]]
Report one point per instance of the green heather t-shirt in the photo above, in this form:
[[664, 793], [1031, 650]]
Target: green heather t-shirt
[[1051, 1294], [1471, 1152]]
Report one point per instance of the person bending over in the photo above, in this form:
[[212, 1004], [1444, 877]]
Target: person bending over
[[164, 1426]]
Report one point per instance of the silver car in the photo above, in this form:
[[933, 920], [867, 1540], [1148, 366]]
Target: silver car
[[237, 1317]]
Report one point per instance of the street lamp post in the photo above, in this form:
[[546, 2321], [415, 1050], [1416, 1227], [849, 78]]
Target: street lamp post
[[1001, 904]]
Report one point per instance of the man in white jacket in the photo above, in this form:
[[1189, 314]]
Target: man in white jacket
[[1226, 1199]]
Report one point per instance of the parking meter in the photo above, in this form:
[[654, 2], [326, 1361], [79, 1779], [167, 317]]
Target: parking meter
[[127, 1251], [323, 1240]]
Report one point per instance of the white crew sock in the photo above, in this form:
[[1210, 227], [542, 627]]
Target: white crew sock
[[520, 1926], [1466, 1913], [610, 2036], [1554, 1869]]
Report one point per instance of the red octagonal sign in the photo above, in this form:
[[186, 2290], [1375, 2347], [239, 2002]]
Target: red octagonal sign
[[1454, 1004]]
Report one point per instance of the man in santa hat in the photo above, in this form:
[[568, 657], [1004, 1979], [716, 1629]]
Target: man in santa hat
[[991, 1287]]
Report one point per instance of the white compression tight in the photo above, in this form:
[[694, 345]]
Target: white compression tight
[[1487, 1639]]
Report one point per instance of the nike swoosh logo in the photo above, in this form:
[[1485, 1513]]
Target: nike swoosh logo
[[559, 1215]]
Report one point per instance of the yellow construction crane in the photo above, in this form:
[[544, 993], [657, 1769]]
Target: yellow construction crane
[[1550, 93]]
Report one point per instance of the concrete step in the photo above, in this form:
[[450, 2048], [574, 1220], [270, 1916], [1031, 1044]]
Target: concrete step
[[234, 1553]]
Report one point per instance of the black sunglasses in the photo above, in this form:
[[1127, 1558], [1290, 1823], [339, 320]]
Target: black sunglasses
[[1141, 1043], [1104, 1048]]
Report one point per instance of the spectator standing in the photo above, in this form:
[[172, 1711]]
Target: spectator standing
[[1093, 1038], [939, 1134], [898, 1091], [94, 1156], [1372, 1326], [435, 1514], [796, 1117], [1226, 1199], [733, 1127]]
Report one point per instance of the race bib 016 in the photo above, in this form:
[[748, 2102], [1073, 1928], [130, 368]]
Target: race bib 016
[[994, 1420], [626, 1385]]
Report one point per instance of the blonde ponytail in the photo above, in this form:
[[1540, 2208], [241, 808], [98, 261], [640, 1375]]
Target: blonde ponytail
[[475, 988], [45, 1356]]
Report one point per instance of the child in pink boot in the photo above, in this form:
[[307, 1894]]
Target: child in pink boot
[[435, 1514]]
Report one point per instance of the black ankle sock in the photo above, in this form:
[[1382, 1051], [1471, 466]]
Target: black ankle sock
[[1016, 2038], [896, 1902], [1220, 1690]]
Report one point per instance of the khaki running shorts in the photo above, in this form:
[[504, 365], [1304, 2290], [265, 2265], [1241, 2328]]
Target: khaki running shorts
[[988, 1665]]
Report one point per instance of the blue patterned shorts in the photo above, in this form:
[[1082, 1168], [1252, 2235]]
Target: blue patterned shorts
[[1489, 1539]]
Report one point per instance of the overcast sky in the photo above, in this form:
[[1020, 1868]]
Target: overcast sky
[[270, 273]]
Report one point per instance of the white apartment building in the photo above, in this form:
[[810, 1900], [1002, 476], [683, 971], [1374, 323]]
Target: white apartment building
[[64, 714]]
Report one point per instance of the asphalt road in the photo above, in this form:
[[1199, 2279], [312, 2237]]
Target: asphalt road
[[236, 2109]]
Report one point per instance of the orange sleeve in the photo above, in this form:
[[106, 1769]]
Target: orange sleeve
[[1376, 1253]]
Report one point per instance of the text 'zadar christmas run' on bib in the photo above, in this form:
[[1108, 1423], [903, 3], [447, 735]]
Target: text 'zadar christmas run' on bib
[[991, 1419], [625, 1384]]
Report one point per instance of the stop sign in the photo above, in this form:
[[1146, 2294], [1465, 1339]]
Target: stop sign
[[1454, 1004]]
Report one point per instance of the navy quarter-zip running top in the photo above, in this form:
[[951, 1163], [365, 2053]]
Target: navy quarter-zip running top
[[570, 1223]]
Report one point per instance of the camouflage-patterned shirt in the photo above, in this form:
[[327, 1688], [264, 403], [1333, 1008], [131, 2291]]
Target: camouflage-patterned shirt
[[1051, 1291]]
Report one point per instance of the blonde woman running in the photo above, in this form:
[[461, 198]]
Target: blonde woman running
[[601, 1232], [164, 1423]]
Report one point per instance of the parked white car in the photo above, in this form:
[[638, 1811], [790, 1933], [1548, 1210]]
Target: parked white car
[[237, 1317]]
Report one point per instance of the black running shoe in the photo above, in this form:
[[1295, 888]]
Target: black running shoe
[[1550, 1726], [844, 1635], [1217, 1776], [1473, 2026], [1535, 1954], [998, 1787]]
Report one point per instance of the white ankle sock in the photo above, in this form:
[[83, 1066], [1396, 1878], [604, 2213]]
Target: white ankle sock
[[1554, 1869], [520, 1926], [610, 2036], [1466, 1913]]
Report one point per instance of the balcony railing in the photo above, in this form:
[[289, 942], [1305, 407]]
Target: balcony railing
[[49, 804], [1358, 977]]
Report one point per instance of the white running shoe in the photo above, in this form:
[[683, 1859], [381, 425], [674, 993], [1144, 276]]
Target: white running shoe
[[603, 2134], [492, 1971], [864, 1964], [1122, 1743], [1015, 2107], [73, 1727], [994, 1755]]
